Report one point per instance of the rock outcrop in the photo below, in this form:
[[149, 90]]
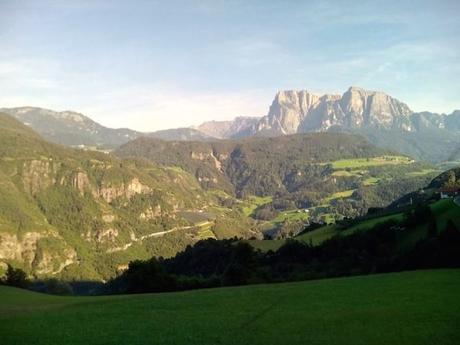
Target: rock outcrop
[[287, 112], [302, 111]]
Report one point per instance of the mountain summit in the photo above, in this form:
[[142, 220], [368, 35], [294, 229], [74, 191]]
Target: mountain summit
[[382, 119], [302, 111]]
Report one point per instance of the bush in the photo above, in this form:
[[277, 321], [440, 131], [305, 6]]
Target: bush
[[16, 277]]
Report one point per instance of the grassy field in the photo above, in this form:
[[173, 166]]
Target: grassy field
[[420, 307], [339, 195], [291, 215], [424, 172], [250, 204], [366, 162], [205, 230], [370, 181]]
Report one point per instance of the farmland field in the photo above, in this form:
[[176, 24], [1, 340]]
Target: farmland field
[[420, 307], [365, 162], [251, 203]]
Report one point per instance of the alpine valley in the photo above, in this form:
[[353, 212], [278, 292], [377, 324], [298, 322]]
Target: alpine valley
[[79, 201]]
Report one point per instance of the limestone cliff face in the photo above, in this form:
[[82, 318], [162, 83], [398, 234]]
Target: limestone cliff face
[[41, 248], [371, 108], [287, 112], [27, 250], [41, 174], [38, 174], [109, 191], [80, 181], [301, 111]]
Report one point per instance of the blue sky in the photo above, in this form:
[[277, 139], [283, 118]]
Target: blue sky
[[158, 64]]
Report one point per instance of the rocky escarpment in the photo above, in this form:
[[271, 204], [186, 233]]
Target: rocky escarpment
[[40, 174], [288, 110], [28, 249], [302, 111]]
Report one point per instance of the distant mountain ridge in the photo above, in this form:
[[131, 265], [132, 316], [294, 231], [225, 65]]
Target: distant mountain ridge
[[74, 129], [240, 127], [302, 111], [381, 118], [386, 121]]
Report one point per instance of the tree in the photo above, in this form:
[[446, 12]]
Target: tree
[[451, 234], [451, 180], [16, 277], [242, 265], [148, 276], [56, 287], [432, 229]]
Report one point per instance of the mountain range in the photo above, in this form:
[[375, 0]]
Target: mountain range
[[379, 117], [302, 111], [384, 120], [82, 214]]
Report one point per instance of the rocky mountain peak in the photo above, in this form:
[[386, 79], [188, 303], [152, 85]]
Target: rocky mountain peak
[[287, 112], [302, 111]]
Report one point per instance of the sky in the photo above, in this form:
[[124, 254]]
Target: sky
[[152, 65]]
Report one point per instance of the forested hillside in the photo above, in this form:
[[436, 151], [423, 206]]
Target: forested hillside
[[79, 214], [328, 175]]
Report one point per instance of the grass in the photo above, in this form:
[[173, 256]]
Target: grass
[[205, 230], [251, 203], [291, 215], [339, 195], [366, 162], [319, 235], [446, 210], [423, 172], [345, 173], [314, 237], [419, 307], [369, 223], [371, 181]]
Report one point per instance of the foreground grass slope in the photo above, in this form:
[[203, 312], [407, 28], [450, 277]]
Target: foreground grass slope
[[420, 307]]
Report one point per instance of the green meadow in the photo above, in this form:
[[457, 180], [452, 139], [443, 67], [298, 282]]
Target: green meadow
[[367, 162], [443, 210], [419, 307]]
